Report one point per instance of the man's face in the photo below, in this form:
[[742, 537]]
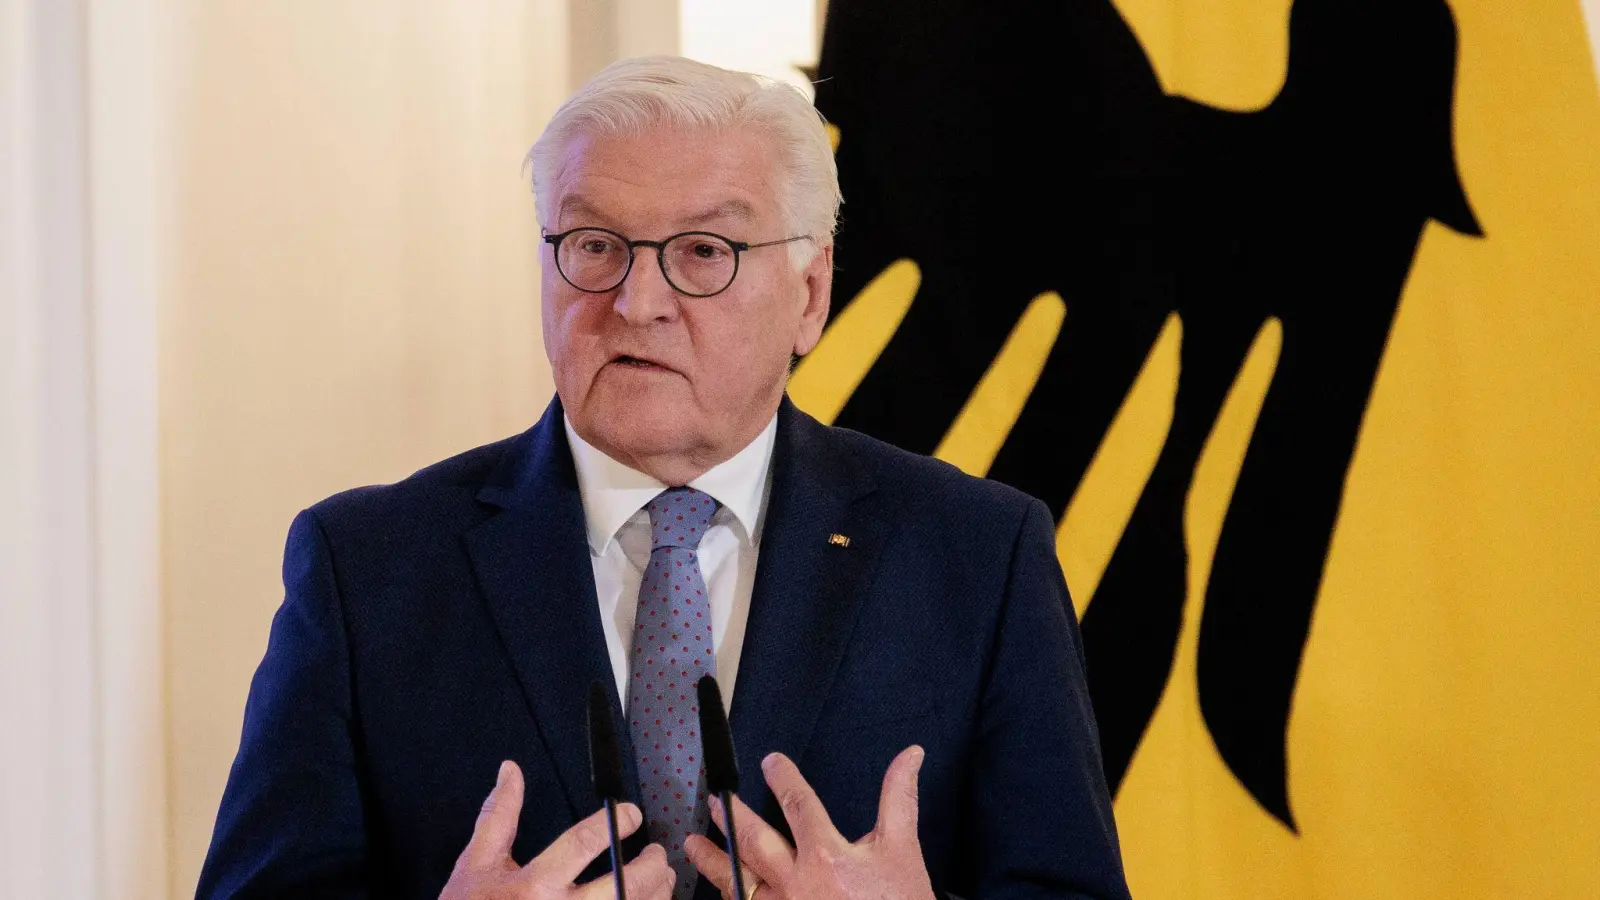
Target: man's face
[[668, 383]]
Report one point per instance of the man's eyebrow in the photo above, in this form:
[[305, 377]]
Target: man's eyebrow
[[728, 209], [585, 213], [578, 206]]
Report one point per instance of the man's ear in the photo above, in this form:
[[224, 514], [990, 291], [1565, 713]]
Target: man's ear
[[819, 291]]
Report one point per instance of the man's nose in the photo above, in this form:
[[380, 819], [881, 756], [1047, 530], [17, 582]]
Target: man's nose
[[645, 296]]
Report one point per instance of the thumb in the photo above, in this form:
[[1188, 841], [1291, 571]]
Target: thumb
[[496, 827], [897, 805]]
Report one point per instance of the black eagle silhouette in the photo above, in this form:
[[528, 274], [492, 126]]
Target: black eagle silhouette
[[1013, 148]]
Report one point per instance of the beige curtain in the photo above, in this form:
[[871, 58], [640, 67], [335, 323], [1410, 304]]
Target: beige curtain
[[353, 296]]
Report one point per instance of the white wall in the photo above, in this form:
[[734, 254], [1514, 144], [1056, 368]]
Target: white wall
[[81, 765], [48, 707], [129, 177], [770, 38]]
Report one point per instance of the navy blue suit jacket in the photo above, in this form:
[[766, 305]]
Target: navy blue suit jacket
[[436, 626]]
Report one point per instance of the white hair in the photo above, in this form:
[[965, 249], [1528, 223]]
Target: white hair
[[632, 96]]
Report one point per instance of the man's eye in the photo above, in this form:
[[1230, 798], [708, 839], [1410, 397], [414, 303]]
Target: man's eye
[[709, 251], [595, 245]]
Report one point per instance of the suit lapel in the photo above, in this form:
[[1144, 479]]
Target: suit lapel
[[807, 591], [532, 563]]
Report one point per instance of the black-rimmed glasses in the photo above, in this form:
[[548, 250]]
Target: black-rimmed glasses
[[697, 263]]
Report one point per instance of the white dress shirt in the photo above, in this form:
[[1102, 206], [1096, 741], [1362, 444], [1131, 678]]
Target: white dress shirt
[[618, 527]]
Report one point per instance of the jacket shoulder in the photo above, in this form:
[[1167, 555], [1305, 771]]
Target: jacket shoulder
[[442, 491], [917, 480]]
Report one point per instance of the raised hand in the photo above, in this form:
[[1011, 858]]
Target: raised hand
[[486, 871], [886, 864]]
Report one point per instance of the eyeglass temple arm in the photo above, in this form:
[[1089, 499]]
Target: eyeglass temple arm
[[789, 240]]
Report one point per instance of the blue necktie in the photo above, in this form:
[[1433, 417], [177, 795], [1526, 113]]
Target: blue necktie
[[671, 651]]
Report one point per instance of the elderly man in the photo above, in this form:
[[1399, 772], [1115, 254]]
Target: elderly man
[[896, 637]]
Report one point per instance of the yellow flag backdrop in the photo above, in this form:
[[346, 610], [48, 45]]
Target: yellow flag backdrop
[[1444, 740]]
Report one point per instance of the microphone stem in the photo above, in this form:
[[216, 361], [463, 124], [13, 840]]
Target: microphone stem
[[733, 845], [616, 849]]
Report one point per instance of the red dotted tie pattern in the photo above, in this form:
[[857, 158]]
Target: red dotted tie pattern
[[671, 651]]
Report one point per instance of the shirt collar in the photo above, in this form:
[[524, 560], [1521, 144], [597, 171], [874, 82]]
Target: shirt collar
[[613, 492]]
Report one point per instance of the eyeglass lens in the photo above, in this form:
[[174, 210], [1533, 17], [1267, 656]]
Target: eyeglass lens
[[597, 260]]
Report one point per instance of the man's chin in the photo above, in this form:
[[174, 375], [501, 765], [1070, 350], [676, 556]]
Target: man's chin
[[637, 432]]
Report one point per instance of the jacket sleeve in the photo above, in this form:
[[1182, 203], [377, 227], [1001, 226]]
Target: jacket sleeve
[[1043, 824], [291, 822]]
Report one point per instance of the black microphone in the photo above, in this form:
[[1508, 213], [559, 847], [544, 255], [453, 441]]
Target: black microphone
[[722, 765], [605, 767]]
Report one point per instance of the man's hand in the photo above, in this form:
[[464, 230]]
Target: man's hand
[[486, 871], [885, 865]]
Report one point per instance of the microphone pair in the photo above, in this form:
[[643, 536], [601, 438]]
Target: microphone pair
[[721, 768]]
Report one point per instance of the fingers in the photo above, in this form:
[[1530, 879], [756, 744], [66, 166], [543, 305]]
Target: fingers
[[711, 861], [897, 804], [496, 827], [629, 818], [565, 859], [648, 877], [807, 818], [762, 850]]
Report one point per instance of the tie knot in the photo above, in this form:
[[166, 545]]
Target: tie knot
[[679, 517]]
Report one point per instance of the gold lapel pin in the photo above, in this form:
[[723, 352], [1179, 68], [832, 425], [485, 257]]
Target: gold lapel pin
[[838, 540]]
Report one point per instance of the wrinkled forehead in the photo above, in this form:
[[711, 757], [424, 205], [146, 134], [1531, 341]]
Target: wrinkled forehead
[[669, 180]]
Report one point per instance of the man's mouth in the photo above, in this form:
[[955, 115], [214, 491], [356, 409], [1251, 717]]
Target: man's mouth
[[637, 362]]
